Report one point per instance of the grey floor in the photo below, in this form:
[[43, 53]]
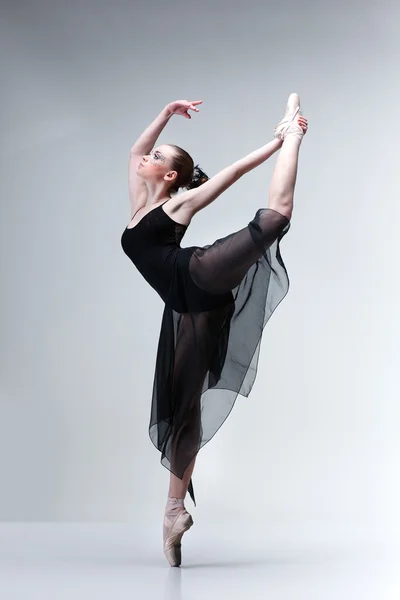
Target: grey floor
[[120, 561]]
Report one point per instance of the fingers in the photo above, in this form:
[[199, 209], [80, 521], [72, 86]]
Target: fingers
[[303, 122], [193, 105]]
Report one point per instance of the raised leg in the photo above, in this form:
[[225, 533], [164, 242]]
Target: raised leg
[[222, 266], [291, 130], [281, 191]]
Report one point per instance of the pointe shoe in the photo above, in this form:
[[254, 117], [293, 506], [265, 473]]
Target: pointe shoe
[[289, 124], [173, 532]]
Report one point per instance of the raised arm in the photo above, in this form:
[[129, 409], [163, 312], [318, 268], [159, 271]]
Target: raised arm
[[146, 142], [195, 200]]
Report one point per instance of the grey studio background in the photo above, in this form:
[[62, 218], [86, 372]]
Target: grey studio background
[[315, 447]]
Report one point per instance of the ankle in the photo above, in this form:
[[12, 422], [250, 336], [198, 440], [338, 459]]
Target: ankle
[[294, 138], [174, 506], [175, 501]]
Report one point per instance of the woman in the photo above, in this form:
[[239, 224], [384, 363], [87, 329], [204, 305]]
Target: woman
[[217, 298]]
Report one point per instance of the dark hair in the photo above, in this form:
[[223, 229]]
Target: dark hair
[[190, 176]]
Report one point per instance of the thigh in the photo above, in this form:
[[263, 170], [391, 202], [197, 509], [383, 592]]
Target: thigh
[[197, 342], [222, 266]]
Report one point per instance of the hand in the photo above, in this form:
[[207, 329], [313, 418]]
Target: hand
[[303, 122], [182, 107]]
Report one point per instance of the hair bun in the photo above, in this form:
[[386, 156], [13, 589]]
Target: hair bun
[[198, 178]]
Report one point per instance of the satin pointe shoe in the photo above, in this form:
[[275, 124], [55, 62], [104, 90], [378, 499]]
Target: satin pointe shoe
[[289, 124], [173, 531]]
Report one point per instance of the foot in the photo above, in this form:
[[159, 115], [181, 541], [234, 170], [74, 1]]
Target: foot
[[290, 124], [174, 528]]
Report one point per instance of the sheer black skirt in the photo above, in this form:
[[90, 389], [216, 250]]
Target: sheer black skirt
[[220, 300]]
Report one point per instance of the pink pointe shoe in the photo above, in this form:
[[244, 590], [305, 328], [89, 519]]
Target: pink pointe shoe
[[289, 124], [173, 531]]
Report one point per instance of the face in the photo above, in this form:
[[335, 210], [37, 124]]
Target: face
[[156, 166]]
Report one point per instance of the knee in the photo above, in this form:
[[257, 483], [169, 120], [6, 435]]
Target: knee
[[283, 207]]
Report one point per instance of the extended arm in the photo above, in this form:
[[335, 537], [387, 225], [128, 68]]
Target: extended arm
[[195, 200]]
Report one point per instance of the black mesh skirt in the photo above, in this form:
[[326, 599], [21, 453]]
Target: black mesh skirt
[[220, 300]]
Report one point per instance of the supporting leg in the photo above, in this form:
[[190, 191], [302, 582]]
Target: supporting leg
[[178, 487]]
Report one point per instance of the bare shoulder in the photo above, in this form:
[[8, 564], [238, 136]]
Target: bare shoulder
[[192, 201]]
